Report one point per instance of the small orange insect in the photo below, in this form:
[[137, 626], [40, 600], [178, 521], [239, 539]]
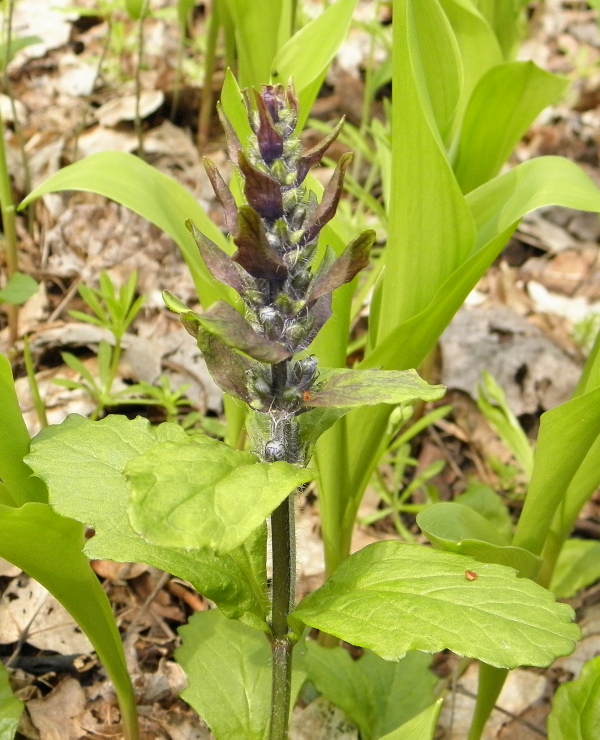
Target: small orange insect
[[470, 575], [306, 396]]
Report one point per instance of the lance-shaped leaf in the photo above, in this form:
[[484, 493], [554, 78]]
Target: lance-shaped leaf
[[82, 463], [456, 528], [224, 195], [233, 143], [220, 265], [270, 141], [326, 209], [262, 191], [350, 262], [254, 253], [355, 388], [199, 492], [320, 312], [313, 156], [377, 596], [575, 711], [227, 368], [232, 329]]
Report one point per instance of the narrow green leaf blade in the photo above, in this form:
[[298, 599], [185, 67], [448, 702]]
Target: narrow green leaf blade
[[149, 193], [377, 695], [199, 492], [10, 708], [504, 103], [575, 711], [48, 547], [421, 727], [18, 289], [228, 668], [378, 595], [82, 463], [578, 566]]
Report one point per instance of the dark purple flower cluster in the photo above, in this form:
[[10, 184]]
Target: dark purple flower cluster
[[276, 234]]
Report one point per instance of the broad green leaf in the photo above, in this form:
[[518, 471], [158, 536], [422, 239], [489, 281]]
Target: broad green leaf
[[478, 46], [10, 708], [578, 566], [82, 463], [48, 547], [575, 711], [507, 20], [357, 388], [484, 500], [503, 105], [149, 193], [306, 56], [14, 445], [198, 492], [430, 229], [456, 528], [566, 435], [377, 695], [392, 598], [228, 668], [18, 289], [421, 727]]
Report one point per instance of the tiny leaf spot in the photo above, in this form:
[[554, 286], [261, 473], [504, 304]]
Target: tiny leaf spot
[[306, 396], [470, 575]]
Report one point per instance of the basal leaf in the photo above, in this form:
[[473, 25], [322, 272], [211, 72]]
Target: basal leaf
[[18, 289], [143, 189], [199, 492], [578, 566], [503, 105], [485, 501], [10, 708], [421, 727], [575, 711], [377, 695], [456, 528], [377, 596], [82, 463], [357, 388], [228, 668], [48, 547]]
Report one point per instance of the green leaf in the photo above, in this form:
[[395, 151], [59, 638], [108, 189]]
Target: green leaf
[[228, 668], [578, 566], [503, 105], [392, 598], [306, 56], [82, 463], [575, 711], [357, 388], [456, 528], [14, 443], [134, 8], [16, 44], [484, 500], [149, 193], [421, 727], [10, 708], [198, 492], [566, 435], [48, 547], [18, 289], [377, 695]]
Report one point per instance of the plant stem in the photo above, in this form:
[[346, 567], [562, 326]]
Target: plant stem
[[491, 681], [40, 408], [138, 80]]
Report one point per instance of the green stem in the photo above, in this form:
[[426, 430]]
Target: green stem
[[138, 80], [40, 408], [491, 681], [210, 56]]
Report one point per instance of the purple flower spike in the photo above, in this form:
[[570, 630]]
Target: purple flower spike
[[270, 140]]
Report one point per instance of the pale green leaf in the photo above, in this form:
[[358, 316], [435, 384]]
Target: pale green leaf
[[199, 492], [134, 8], [578, 566], [357, 388], [10, 708], [48, 547], [456, 528], [377, 695], [504, 103], [392, 598], [82, 463], [421, 727], [18, 289], [228, 668], [484, 500], [149, 193], [575, 711]]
